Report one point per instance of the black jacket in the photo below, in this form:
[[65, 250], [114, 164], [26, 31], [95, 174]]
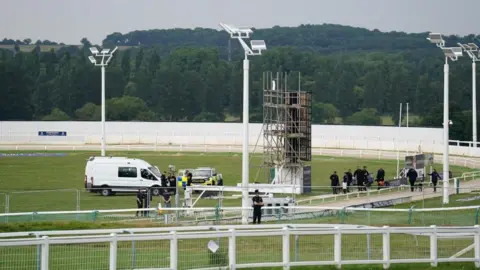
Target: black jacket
[[412, 175], [334, 180], [349, 177], [381, 174], [358, 175], [435, 176]]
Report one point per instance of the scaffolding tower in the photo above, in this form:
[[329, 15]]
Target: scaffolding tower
[[287, 129]]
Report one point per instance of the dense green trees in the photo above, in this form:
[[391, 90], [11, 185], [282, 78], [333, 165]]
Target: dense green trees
[[356, 76]]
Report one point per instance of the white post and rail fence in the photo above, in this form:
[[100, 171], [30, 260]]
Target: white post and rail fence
[[241, 246]]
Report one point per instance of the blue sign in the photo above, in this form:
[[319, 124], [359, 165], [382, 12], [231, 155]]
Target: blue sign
[[52, 133]]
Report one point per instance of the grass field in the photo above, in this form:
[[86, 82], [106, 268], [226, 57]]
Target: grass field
[[21, 175], [33, 173]]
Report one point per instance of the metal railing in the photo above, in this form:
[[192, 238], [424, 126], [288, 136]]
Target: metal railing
[[231, 247]]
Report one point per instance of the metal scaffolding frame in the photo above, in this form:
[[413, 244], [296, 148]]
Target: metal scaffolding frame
[[286, 127]]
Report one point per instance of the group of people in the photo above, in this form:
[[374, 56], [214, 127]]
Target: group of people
[[361, 179]]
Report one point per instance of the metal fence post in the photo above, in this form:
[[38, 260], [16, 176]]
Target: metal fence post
[[476, 215], [369, 251], [337, 250], [113, 252], [296, 247], [133, 250], [476, 241], [386, 247], [232, 253], [78, 200], [286, 248], [173, 251], [410, 214], [45, 254], [39, 253], [433, 246]]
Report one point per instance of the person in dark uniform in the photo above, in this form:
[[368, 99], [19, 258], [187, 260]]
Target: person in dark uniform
[[380, 178], [172, 182], [358, 176], [365, 175], [257, 208], [189, 178], [163, 179], [147, 198], [334, 181], [139, 202], [435, 176], [412, 177], [349, 179]]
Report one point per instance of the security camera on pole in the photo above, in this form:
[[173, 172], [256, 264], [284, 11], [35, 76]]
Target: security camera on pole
[[471, 49], [451, 53], [256, 47], [103, 58]]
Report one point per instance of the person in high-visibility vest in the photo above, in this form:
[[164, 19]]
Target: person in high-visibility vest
[[212, 180]]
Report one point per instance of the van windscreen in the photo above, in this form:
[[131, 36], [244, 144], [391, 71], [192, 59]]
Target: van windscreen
[[155, 171]]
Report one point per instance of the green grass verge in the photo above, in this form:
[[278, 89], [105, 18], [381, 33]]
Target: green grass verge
[[19, 175]]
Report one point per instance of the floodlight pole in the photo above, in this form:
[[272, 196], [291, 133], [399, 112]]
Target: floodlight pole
[[446, 170], [245, 154], [104, 56], [474, 103], [103, 111]]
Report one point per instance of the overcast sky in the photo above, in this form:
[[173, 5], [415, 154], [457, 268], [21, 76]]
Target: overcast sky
[[69, 20]]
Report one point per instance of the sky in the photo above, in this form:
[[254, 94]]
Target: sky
[[69, 21]]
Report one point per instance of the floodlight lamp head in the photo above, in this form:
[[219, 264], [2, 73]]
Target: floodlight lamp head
[[452, 52], [436, 39], [92, 60], [236, 32], [94, 50], [258, 46], [473, 47]]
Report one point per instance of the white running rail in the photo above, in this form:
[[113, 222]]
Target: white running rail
[[232, 247]]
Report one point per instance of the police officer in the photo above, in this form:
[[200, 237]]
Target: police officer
[[147, 198], [139, 202], [435, 176], [257, 208], [412, 177]]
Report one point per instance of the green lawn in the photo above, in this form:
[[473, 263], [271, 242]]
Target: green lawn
[[21, 175]]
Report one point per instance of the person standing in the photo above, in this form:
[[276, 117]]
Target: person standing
[[172, 183], [147, 198], [412, 177], [365, 174], [357, 175], [334, 182], [435, 176], [139, 202], [166, 199], [380, 178], [257, 208], [345, 183], [349, 179]]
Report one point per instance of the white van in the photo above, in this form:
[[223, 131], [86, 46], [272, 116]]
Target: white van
[[108, 175]]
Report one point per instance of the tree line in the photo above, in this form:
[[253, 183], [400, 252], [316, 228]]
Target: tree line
[[356, 76]]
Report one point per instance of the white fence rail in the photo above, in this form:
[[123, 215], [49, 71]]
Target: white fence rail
[[245, 247], [235, 139], [466, 160]]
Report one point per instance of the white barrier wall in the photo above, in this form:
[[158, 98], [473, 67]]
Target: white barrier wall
[[164, 133]]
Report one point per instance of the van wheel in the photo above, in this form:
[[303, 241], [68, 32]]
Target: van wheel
[[106, 192], [156, 192]]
